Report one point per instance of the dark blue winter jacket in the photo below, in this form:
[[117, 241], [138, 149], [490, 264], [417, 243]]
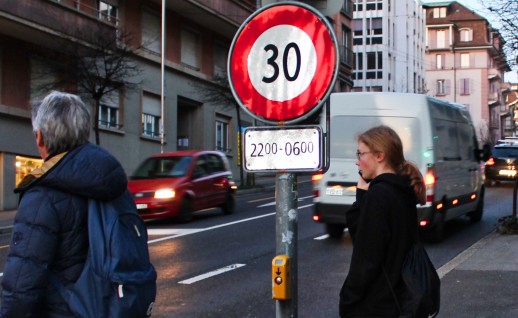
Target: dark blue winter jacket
[[50, 228]]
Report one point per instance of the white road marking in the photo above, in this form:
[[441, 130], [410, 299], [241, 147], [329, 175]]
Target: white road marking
[[180, 233], [169, 231], [210, 274], [326, 236], [209, 228], [273, 203]]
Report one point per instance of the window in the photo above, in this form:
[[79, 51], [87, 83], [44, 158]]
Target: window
[[439, 61], [151, 115], [151, 32], [439, 12], [376, 30], [109, 111], [220, 60], [464, 86], [107, 11], [441, 87], [222, 142], [190, 48], [464, 60], [441, 39], [466, 35]]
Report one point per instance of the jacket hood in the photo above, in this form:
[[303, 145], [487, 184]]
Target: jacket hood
[[88, 170], [400, 182]]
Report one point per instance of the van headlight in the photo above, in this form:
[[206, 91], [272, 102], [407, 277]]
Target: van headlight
[[164, 194]]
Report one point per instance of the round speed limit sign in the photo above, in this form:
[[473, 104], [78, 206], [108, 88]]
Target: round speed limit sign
[[283, 62]]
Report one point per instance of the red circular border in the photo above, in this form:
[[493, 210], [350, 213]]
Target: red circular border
[[316, 29]]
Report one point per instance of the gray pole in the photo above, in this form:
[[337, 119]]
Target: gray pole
[[286, 236]]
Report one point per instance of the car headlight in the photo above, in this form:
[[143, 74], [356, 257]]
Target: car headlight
[[164, 194]]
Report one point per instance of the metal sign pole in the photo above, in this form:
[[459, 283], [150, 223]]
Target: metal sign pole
[[286, 237]]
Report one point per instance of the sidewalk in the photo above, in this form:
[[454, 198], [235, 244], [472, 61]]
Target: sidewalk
[[481, 282]]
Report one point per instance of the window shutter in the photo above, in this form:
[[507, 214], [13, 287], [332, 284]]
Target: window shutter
[[151, 105], [447, 87]]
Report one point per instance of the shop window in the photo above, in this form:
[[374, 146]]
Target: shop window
[[24, 166]]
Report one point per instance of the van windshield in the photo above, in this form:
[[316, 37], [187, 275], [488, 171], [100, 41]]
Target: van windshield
[[345, 130]]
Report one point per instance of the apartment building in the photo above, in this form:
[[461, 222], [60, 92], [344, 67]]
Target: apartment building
[[510, 122], [33, 34], [465, 64], [388, 44]]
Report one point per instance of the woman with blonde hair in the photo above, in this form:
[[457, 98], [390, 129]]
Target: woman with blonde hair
[[382, 223]]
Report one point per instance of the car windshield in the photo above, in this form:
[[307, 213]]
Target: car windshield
[[163, 167], [505, 152]]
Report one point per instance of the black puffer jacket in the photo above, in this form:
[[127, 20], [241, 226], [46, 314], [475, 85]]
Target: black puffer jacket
[[50, 229], [383, 225]]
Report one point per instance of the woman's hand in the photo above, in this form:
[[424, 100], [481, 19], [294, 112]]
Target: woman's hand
[[362, 184]]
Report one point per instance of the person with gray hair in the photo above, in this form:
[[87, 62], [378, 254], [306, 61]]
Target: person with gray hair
[[50, 235]]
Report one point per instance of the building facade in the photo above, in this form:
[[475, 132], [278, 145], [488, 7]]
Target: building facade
[[388, 44], [194, 110], [465, 64]]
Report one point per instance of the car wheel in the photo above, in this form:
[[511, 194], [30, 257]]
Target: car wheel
[[229, 205], [185, 211], [476, 215], [335, 230]]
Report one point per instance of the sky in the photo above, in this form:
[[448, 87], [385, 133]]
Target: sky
[[477, 6]]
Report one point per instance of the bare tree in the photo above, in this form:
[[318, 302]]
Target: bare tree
[[505, 14], [95, 63], [220, 93]]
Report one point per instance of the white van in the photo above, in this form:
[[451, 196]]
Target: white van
[[437, 136]]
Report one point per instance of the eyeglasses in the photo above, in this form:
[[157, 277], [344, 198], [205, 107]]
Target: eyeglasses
[[360, 154]]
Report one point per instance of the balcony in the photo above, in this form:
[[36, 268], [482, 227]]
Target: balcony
[[223, 16], [45, 22]]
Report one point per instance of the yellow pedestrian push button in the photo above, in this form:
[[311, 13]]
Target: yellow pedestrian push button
[[281, 277]]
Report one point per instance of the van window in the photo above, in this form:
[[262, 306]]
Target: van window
[[345, 130], [445, 141], [467, 141]]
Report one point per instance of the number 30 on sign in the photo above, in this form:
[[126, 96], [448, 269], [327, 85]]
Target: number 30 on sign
[[283, 62]]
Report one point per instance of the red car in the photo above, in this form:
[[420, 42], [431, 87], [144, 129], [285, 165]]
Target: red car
[[176, 184]]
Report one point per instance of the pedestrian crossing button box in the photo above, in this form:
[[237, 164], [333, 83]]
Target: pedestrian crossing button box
[[281, 277]]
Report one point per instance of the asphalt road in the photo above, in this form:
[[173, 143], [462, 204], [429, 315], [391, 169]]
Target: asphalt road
[[220, 265]]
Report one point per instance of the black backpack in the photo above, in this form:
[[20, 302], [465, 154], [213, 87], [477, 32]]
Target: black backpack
[[422, 295], [118, 279]]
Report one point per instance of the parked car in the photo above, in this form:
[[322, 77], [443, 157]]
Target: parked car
[[503, 163], [176, 184]]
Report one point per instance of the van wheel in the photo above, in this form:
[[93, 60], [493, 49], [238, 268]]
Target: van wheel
[[185, 211], [335, 230], [437, 233], [476, 215], [229, 205]]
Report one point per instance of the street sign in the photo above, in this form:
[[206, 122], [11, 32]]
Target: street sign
[[292, 148], [283, 62]]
